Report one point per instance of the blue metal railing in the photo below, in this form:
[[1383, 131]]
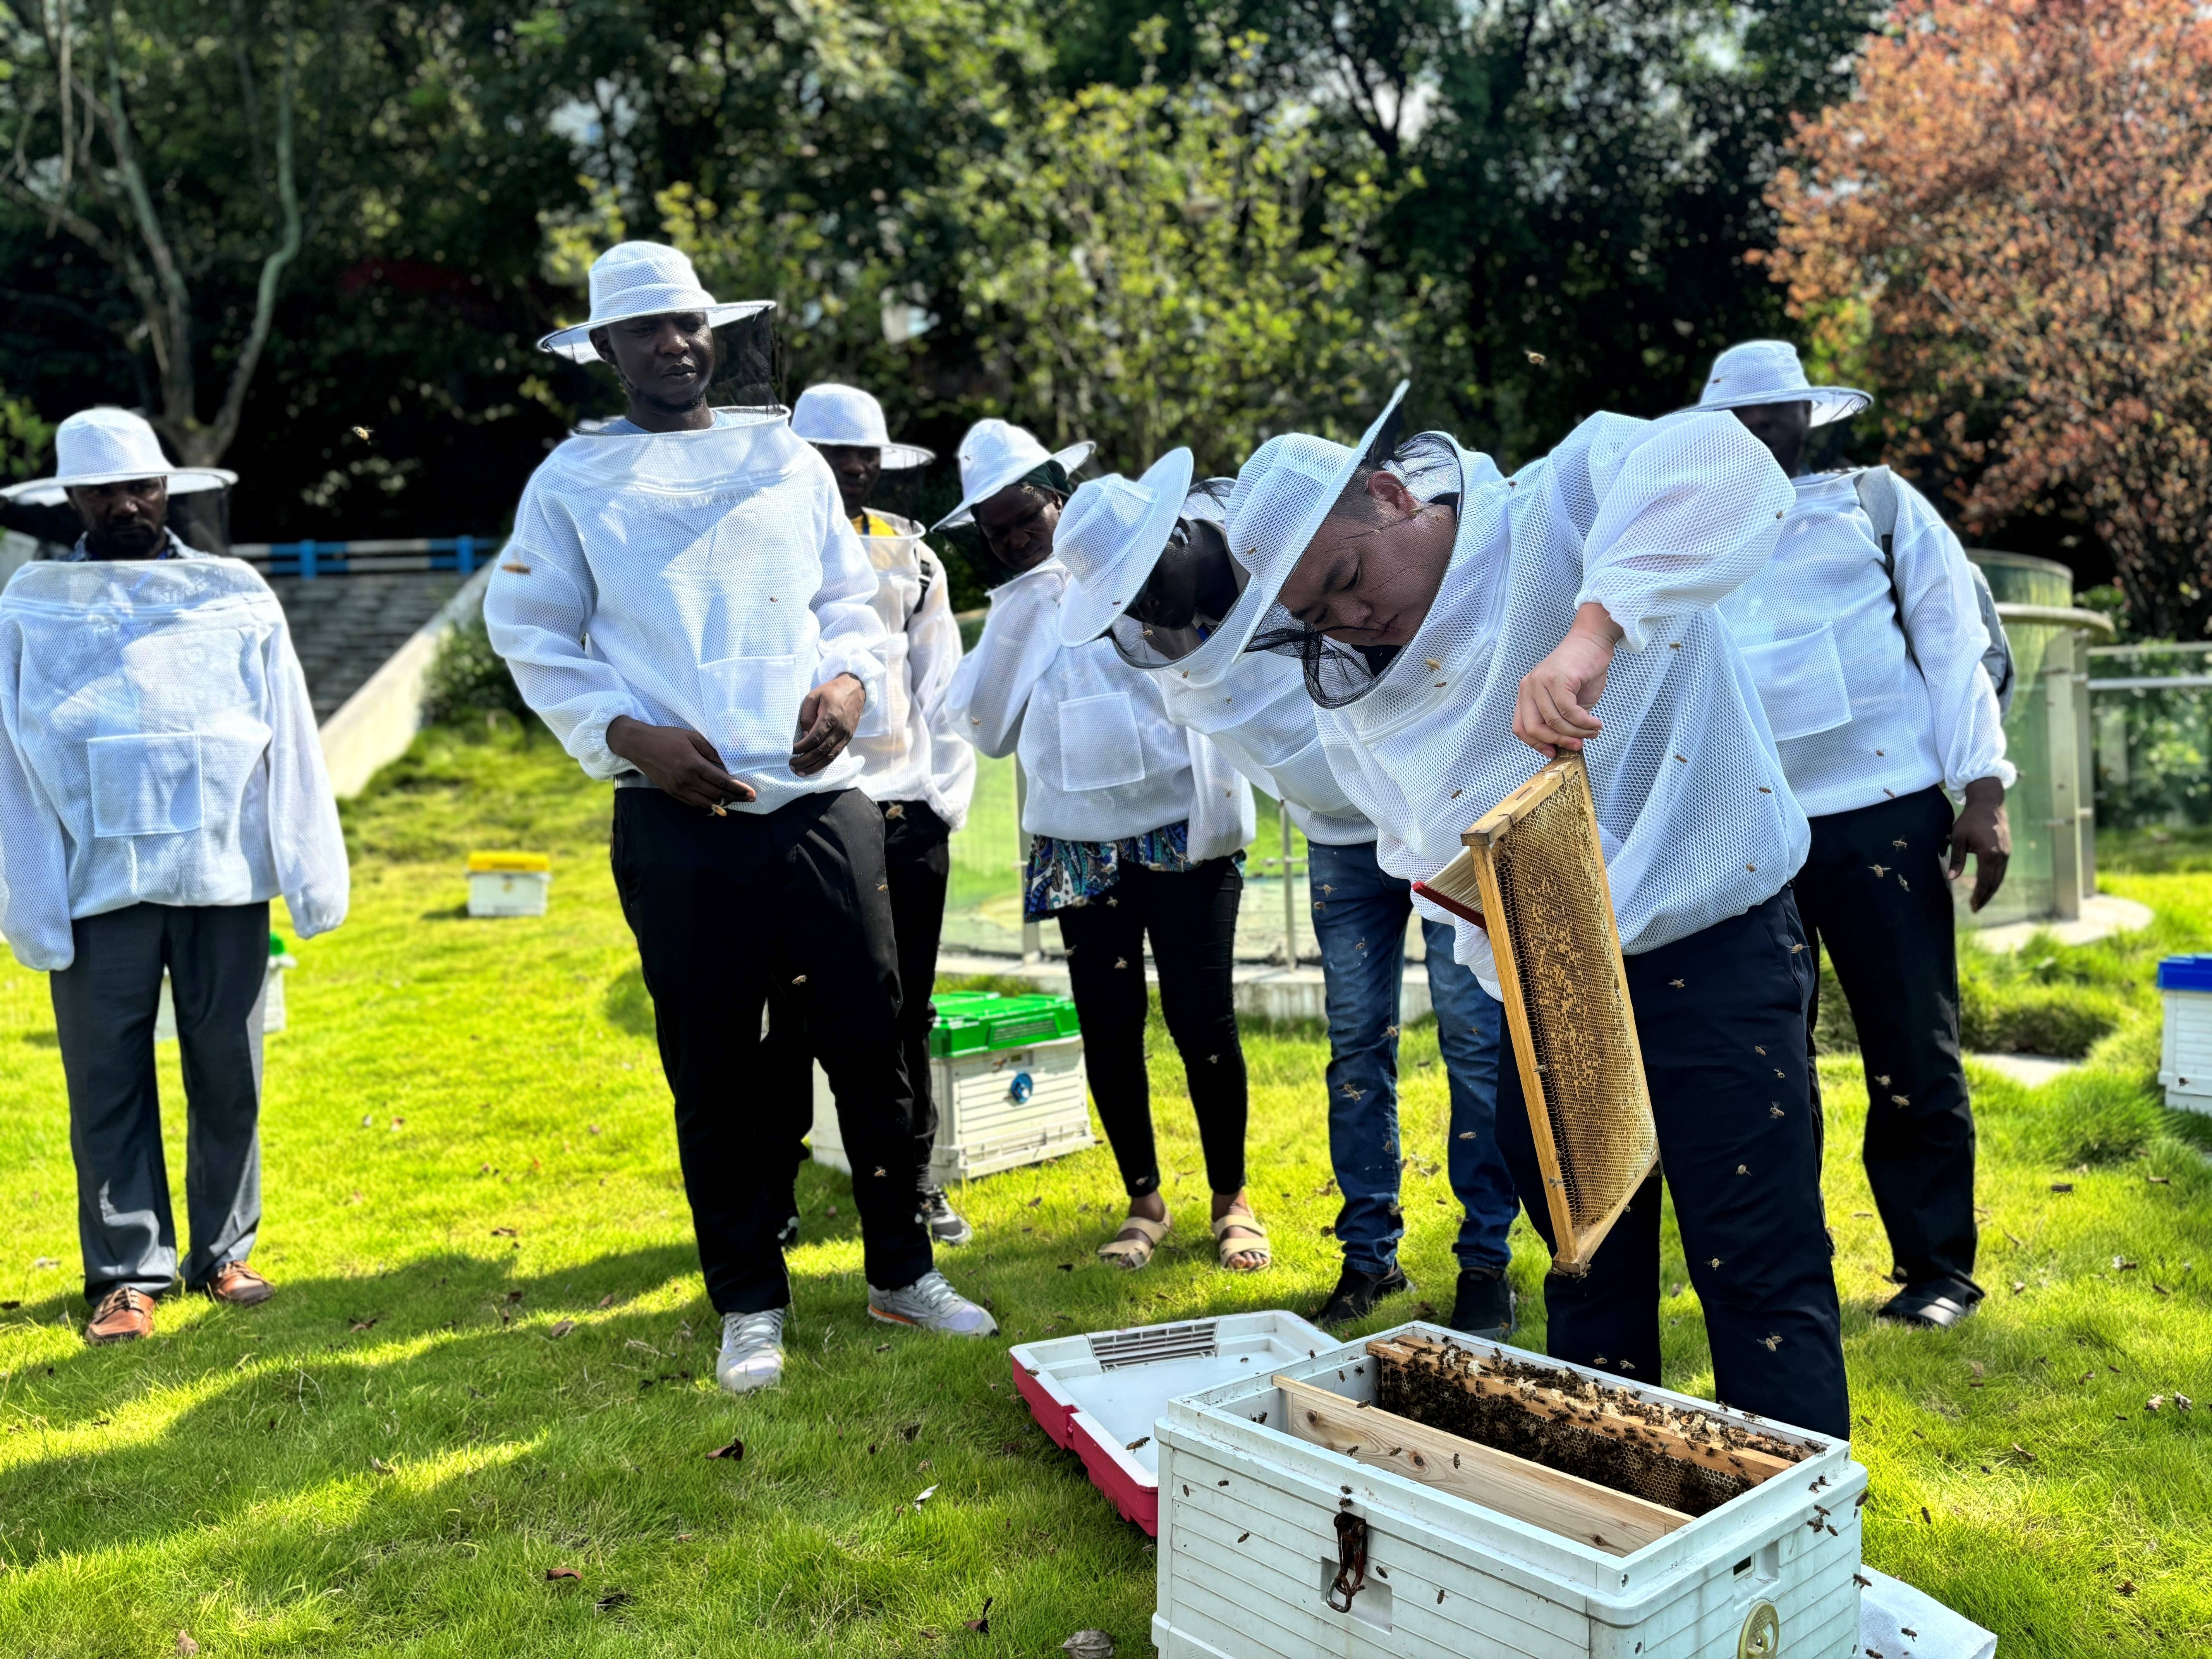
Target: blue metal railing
[[309, 560]]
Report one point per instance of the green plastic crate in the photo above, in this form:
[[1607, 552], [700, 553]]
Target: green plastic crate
[[978, 1021]]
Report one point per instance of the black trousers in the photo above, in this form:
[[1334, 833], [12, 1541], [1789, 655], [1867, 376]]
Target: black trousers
[[1191, 917], [105, 1004], [731, 913], [1720, 1018], [1874, 894]]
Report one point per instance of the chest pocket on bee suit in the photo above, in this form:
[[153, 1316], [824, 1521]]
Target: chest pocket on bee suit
[[1099, 744], [1801, 683], [752, 704], [145, 784]]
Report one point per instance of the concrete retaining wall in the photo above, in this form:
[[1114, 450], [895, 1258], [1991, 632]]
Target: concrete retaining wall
[[377, 722]]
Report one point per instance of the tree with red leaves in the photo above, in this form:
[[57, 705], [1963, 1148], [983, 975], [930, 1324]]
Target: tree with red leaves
[[2007, 229]]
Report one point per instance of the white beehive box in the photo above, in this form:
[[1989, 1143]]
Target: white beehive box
[[995, 1111], [2186, 1060], [1248, 1547], [508, 884]]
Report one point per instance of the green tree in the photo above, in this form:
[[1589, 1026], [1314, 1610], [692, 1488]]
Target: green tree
[[1150, 266]]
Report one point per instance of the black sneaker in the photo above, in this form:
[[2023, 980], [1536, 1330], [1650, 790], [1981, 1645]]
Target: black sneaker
[[947, 1224], [1356, 1293], [1483, 1304], [1935, 1306]]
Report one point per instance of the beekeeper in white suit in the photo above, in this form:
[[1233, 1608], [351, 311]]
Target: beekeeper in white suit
[[160, 782], [1460, 636], [1135, 824], [684, 603]]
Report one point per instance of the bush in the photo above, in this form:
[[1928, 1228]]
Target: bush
[[468, 679]]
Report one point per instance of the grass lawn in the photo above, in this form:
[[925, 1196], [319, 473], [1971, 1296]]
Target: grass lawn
[[432, 1414]]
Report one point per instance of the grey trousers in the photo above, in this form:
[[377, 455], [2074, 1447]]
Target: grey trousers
[[104, 1009]]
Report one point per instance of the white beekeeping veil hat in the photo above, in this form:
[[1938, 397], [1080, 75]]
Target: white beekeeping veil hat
[[1760, 372], [105, 446], [643, 279], [1111, 533], [1282, 495], [996, 453], [832, 414]]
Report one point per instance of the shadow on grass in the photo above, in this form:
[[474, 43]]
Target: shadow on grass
[[627, 1005]]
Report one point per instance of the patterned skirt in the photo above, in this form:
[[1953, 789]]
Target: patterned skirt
[[1066, 874]]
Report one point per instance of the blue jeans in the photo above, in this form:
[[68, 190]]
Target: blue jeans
[[1359, 918]]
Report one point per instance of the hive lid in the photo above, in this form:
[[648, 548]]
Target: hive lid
[[2185, 973], [981, 1022], [488, 863]]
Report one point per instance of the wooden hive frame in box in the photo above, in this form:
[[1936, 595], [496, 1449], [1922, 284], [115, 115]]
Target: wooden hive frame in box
[[1548, 911]]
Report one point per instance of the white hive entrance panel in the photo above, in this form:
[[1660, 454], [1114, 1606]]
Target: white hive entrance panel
[[996, 1110], [1278, 1492]]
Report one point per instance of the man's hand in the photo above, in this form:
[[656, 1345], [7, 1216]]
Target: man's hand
[[677, 760], [1553, 710], [827, 720], [1981, 829]]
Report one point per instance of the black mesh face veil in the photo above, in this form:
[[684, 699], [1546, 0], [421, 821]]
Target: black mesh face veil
[[898, 490], [1336, 673], [749, 366], [1197, 533]]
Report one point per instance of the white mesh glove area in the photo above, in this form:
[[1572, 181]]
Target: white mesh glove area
[[1660, 518], [1855, 722], [160, 747], [706, 580]]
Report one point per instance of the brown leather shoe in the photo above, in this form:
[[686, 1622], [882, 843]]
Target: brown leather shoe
[[123, 1315], [236, 1283]]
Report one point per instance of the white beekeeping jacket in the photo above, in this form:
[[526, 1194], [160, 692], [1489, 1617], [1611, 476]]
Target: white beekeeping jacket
[[1103, 759], [1856, 722], [160, 748], [706, 580], [1656, 520], [908, 748]]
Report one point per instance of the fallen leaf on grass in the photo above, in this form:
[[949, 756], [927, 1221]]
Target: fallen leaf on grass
[[982, 1623], [1976, 1366], [1090, 1644], [380, 1466], [44, 1261], [185, 1646], [553, 1575], [2127, 1587], [613, 1599], [502, 1232], [361, 1324], [608, 1300], [2160, 1289], [1038, 1199], [734, 1451], [2061, 1186], [561, 1328], [2018, 1286], [909, 1432], [2160, 1181], [2122, 1265], [2154, 1403], [2023, 1453], [883, 1347], [924, 1495]]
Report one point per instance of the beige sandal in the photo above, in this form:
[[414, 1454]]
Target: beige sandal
[[1131, 1254], [1256, 1244]]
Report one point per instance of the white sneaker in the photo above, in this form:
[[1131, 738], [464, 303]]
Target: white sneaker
[[752, 1350], [932, 1304]]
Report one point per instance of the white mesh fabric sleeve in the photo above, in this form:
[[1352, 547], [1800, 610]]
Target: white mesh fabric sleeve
[[932, 658], [990, 690], [1944, 623], [307, 845], [852, 634], [34, 895], [1223, 817], [1687, 515], [537, 608]]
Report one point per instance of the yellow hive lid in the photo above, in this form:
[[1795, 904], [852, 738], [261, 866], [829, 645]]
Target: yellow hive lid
[[481, 862]]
